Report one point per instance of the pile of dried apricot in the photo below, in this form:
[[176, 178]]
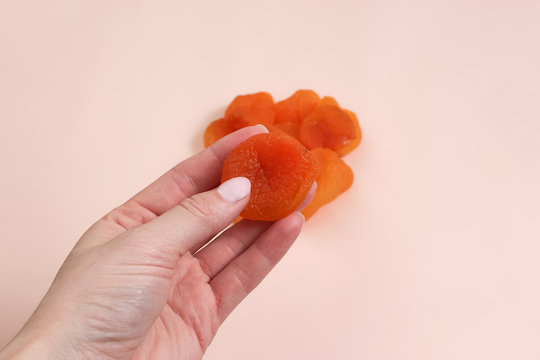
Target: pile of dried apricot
[[307, 136]]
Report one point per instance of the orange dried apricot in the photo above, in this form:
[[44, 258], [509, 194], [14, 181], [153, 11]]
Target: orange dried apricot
[[250, 109], [334, 178], [330, 101], [279, 166], [326, 101], [215, 131], [353, 144], [296, 107], [287, 128], [329, 127], [281, 171]]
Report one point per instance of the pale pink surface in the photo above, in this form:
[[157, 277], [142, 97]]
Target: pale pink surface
[[434, 253]]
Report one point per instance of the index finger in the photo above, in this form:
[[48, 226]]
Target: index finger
[[199, 173]]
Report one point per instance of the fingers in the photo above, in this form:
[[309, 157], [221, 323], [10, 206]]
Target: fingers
[[245, 272], [193, 222], [230, 244], [199, 173]]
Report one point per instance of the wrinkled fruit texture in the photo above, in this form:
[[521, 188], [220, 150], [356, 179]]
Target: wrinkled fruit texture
[[281, 172], [320, 124]]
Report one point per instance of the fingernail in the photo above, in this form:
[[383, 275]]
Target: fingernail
[[309, 197], [261, 126], [303, 217], [234, 189]]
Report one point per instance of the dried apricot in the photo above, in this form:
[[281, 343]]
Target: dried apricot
[[280, 168], [353, 144], [326, 101], [281, 172], [287, 128], [329, 127], [334, 178], [251, 109], [215, 131], [296, 107]]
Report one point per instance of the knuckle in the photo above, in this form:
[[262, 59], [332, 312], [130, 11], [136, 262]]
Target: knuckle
[[242, 278], [200, 208]]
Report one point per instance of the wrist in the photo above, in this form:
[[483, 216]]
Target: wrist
[[21, 347], [36, 343], [40, 338]]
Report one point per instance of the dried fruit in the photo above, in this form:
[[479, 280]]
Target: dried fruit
[[353, 144], [280, 168], [326, 101], [215, 131], [334, 178], [328, 126], [251, 109], [281, 171], [287, 128], [296, 107]]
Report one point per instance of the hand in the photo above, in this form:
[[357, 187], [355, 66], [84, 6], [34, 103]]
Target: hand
[[139, 283]]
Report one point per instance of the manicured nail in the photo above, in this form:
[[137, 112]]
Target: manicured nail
[[303, 217], [309, 197], [261, 126], [234, 189]]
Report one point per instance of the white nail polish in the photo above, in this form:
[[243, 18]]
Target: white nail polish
[[261, 126], [234, 189]]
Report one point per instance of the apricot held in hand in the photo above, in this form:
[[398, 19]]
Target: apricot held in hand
[[281, 172]]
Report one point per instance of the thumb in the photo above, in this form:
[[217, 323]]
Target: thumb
[[192, 223]]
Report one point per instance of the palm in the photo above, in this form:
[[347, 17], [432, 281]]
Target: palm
[[190, 295], [133, 281], [189, 317]]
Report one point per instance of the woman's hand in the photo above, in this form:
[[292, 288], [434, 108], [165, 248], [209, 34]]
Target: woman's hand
[[139, 283]]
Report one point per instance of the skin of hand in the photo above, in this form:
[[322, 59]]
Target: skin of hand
[[141, 284]]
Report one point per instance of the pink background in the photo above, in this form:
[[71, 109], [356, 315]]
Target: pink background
[[434, 253]]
